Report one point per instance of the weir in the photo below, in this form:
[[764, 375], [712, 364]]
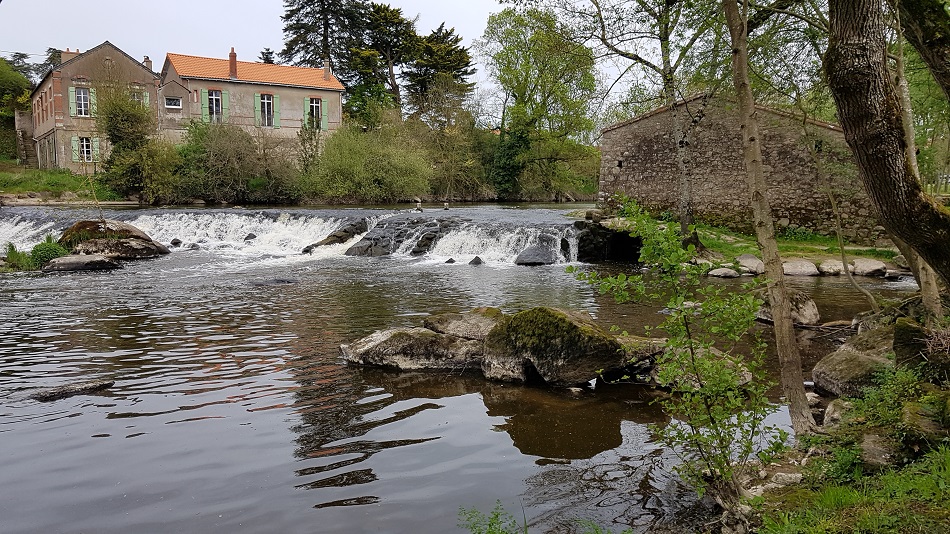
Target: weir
[[275, 233]]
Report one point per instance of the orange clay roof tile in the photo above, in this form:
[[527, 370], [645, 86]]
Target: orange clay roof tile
[[218, 69]]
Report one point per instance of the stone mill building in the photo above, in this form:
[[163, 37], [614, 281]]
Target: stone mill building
[[639, 160]]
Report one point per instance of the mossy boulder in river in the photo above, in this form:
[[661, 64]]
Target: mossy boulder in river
[[113, 239], [540, 345], [848, 370], [556, 347]]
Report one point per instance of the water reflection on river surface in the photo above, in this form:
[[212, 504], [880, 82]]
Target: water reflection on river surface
[[232, 411]]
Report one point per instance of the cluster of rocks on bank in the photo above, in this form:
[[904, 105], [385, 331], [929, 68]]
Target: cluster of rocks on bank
[[749, 264]]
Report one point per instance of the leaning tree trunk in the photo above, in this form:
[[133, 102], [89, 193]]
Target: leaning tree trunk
[[789, 358], [925, 275], [927, 27], [870, 114]]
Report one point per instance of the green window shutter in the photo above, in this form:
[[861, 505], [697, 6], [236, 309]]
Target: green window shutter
[[92, 101], [276, 111], [324, 120], [225, 103], [306, 113], [145, 98], [95, 149], [75, 141], [257, 109], [72, 102], [205, 114]]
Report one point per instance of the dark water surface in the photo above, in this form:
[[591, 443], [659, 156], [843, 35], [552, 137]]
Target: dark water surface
[[232, 411]]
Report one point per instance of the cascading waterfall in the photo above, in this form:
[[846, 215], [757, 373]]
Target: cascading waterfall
[[24, 233], [502, 244]]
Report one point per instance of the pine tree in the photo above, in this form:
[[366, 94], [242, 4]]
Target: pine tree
[[267, 56], [440, 57], [318, 30]]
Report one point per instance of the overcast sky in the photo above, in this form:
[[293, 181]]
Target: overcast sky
[[193, 27]]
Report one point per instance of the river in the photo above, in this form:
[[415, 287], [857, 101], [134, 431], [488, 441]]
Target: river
[[232, 411]]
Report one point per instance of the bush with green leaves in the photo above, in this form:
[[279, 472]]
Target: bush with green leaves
[[46, 251], [718, 415], [38, 256], [381, 165]]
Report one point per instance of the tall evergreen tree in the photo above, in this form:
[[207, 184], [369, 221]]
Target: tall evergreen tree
[[267, 56], [318, 30], [440, 60], [389, 43]]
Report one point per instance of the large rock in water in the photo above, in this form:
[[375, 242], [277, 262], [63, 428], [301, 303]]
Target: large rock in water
[[414, 348], [112, 239], [558, 347], [848, 370], [86, 262], [474, 325], [804, 309], [536, 255], [342, 235], [596, 243], [121, 249]]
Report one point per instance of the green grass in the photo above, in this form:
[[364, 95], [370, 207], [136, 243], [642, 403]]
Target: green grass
[[54, 182], [914, 499], [796, 243]]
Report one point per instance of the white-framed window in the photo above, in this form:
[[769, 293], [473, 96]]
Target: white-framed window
[[82, 102], [267, 110], [85, 149], [315, 114], [215, 108], [173, 102]]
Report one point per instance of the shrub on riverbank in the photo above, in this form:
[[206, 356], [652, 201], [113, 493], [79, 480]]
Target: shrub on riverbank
[[381, 165]]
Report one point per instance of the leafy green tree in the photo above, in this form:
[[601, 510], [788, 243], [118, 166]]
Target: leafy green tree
[[441, 63], [319, 30], [659, 39], [12, 85], [548, 80]]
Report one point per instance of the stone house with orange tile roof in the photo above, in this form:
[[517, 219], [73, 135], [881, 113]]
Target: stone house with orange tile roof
[[275, 100]]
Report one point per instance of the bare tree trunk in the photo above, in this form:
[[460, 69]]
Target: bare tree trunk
[[789, 357], [870, 114]]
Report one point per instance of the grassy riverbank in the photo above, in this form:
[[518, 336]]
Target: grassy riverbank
[[51, 183]]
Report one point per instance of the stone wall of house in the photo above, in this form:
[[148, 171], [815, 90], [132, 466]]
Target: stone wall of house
[[639, 161]]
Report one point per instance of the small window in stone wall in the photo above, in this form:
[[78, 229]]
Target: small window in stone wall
[[619, 163], [173, 102]]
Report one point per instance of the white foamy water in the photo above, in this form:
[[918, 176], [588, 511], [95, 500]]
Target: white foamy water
[[24, 233], [499, 244], [226, 232]]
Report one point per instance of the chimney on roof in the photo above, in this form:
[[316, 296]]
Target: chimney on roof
[[147, 62], [326, 69], [66, 55], [232, 64]]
